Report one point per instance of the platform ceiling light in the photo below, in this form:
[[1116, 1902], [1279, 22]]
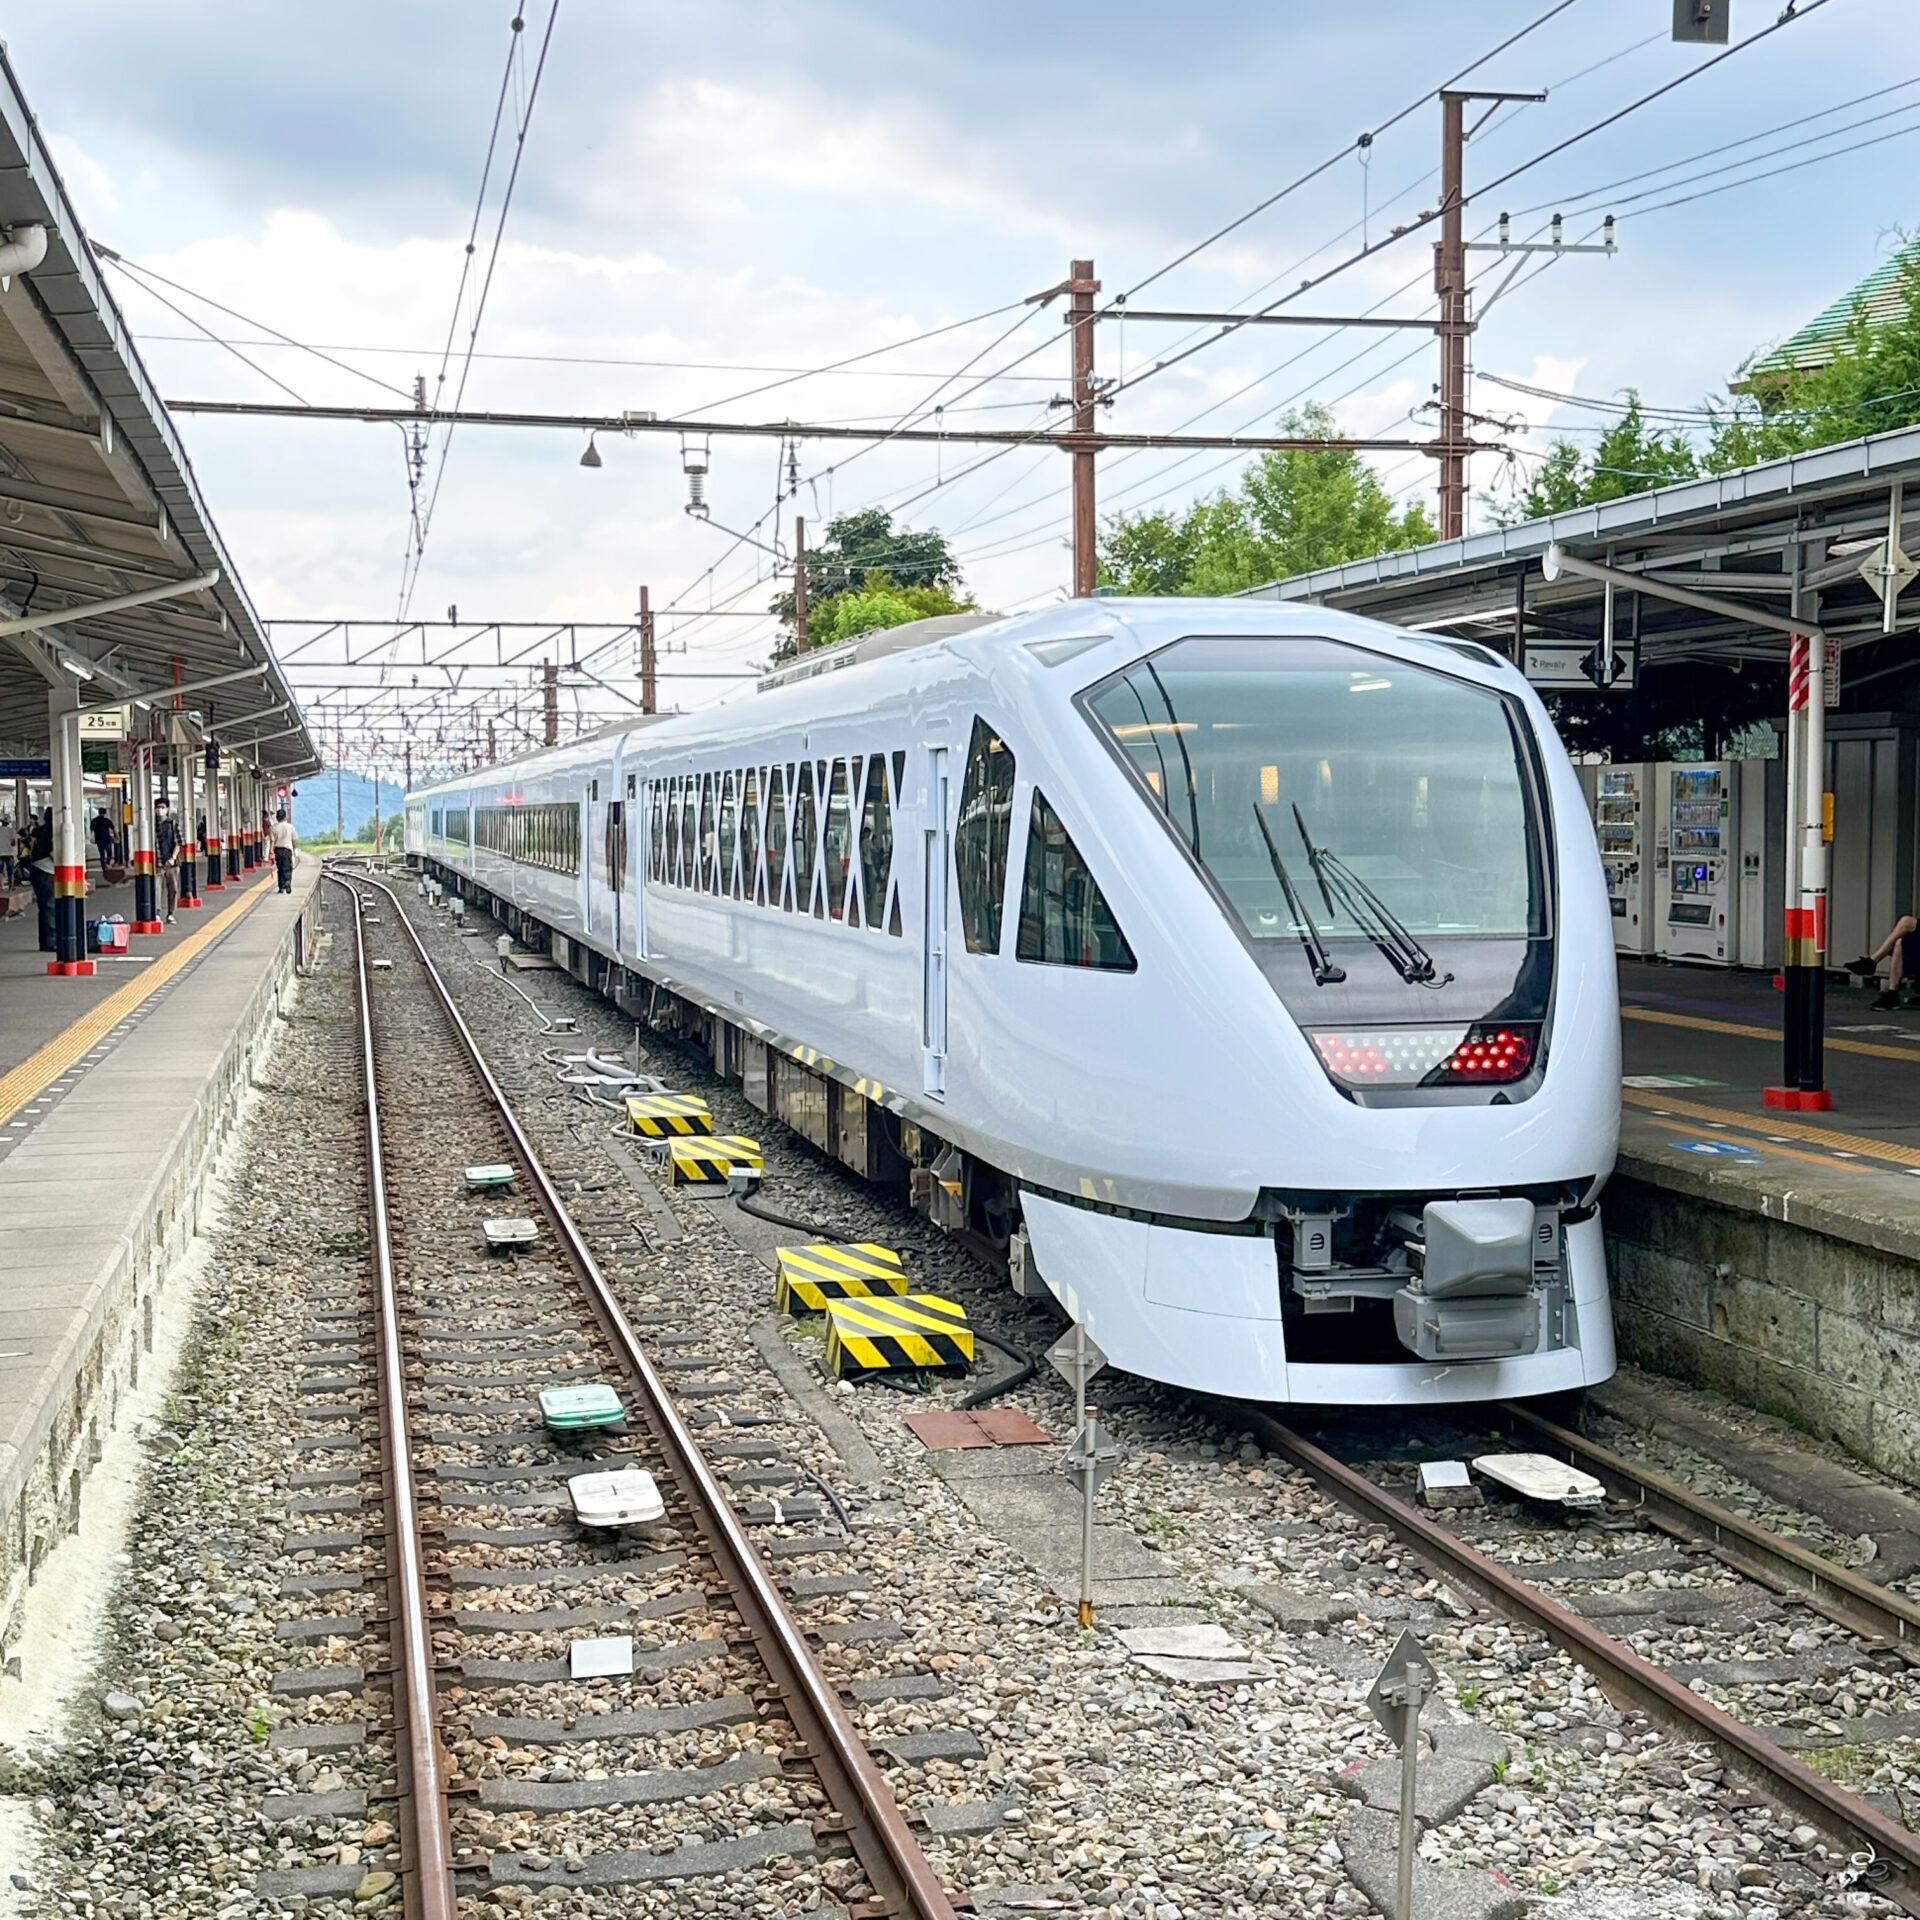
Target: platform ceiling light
[[74, 667], [591, 458]]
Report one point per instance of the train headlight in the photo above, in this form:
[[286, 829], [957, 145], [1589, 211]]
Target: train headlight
[[1485, 1054]]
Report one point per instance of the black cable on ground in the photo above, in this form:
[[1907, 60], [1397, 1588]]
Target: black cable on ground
[[746, 1204], [1029, 1365]]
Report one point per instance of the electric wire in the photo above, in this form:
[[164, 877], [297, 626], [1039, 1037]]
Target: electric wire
[[1500, 180], [411, 573]]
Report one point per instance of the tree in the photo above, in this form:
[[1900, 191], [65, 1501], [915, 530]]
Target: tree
[[1294, 509], [864, 558], [1629, 458], [1871, 385]]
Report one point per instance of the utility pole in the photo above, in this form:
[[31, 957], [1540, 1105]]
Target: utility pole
[[406, 748], [550, 686], [1082, 286], [649, 659], [491, 755], [799, 584], [1450, 283]]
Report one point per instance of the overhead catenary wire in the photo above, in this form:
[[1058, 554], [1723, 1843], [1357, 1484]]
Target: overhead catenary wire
[[416, 558], [1790, 17]]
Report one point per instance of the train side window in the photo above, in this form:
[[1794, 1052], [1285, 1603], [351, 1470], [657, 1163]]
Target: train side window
[[750, 883], [837, 841], [1064, 918], [670, 847], [779, 894], [705, 854], [980, 837], [805, 837], [876, 840], [724, 881], [899, 774], [656, 822], [689, 828]]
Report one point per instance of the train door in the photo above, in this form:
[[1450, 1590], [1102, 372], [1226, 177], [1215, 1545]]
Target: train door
[[933, 946]]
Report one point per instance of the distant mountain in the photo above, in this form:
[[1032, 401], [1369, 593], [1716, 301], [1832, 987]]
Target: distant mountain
[[315, 809]]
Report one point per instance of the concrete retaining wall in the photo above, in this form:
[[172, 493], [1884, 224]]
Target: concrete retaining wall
[[1816, 1328], [100, 1203]]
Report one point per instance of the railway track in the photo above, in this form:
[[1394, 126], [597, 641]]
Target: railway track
[[484, 1608], [1728, 1584], [1730, 1578]]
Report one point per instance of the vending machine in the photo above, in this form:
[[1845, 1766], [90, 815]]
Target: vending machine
[[1623, 825], [1699, 910], [1762, 817]]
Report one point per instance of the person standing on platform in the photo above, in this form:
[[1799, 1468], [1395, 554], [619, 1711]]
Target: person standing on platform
[[9, 847], [166, 855], [103, 839], [283, 845], [40, 869]]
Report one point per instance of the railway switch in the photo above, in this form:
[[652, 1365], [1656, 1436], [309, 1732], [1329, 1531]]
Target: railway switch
[[809, 1277]]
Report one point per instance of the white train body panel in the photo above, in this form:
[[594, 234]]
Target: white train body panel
[[1154, 1118]]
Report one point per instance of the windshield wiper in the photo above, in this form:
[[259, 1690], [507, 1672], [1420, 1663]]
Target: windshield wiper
[[1325, 973], [1408, 958]]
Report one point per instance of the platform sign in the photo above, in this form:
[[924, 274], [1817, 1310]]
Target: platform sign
[[1580, 665], [98, 724], [26, 769]]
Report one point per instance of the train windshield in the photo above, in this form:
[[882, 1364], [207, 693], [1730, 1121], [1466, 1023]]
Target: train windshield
[[1372, 825]]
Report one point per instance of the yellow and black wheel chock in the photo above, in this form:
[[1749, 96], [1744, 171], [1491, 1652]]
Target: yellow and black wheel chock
[[898, 1333], [811, 1276], [708, 1159], [659, 1114]]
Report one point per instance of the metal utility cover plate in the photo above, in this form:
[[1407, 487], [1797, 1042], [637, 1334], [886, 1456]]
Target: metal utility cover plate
[[510, 1233], [1538, 1476], [601, 1659], [626, 1497], [496, 1174], [594, 1404]]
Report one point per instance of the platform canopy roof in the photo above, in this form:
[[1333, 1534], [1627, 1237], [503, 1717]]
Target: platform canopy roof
[[1720, 568], [113, 579]]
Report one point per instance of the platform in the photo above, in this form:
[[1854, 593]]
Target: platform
[[1775, 1257], [109, 1122]]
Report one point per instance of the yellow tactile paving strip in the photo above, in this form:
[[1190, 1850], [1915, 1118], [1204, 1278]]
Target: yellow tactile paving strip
[[36, 1073], [1833, 1043], [1769, 1126]]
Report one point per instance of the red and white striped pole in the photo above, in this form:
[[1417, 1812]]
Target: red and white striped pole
[[1804, 957]]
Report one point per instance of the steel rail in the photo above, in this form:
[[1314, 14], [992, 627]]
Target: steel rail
[[897, 1869], [1621, 1671], [426, 1838], [1842, 1595]]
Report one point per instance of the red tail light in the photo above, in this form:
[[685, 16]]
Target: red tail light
[[1485, 1055]]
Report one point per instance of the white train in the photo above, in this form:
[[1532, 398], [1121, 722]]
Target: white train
[[1247, 970]]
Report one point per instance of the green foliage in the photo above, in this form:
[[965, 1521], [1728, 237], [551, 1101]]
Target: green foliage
[[1630, 458], [1293, 510], [866, 560], [877, 602], [1872, 385]]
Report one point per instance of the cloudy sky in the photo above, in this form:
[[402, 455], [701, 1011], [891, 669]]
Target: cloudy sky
[[714, 198]]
